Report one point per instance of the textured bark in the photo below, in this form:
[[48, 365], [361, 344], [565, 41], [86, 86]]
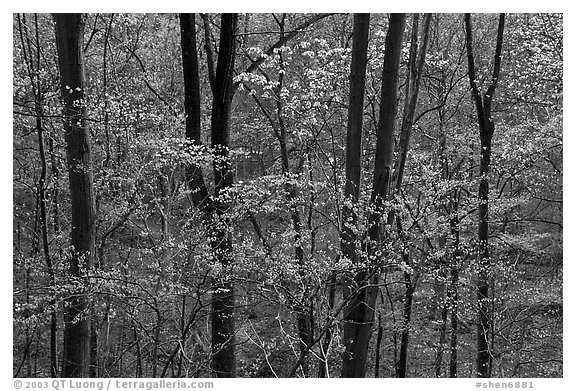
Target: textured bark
[[69, 40], [385, 131], [486, 128], [359, 313]]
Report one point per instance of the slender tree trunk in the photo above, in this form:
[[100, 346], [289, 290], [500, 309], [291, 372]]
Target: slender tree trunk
[[451, 256], [69, 42], [486, 128], [105, 88], [401, 364], [379, 336], [417, 61], [196, 184], [442, 341], [359, 311], [454, 320], [303, 321], [35, 82], [449, 325], [301, 305], [325, 344], [416, 65]]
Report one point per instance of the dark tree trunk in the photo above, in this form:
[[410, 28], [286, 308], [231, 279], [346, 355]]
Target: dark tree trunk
[[214, 208], [486, 128], [223, 335], [417, 61], [401, 364], [359, 311], [208, 48], [379, 336], [352, 188], [416, 65], [453, 248], [69, 41], [354, 136], [454, 321], [194, 176]]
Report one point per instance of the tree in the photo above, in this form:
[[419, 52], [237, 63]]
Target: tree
[[348, 236], [486, 127], [223, 334], [37, 88], [359, 313], [214, 208], [416, 65], [69, 41]]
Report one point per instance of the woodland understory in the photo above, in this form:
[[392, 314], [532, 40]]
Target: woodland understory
[[287, 195]]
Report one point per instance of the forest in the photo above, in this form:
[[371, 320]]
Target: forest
[[287, 195]]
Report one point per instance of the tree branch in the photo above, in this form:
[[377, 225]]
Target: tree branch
[[281, 42]]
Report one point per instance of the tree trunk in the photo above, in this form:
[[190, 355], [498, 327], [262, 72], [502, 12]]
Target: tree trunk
[[442, 341], [69, 42], [353, 364], [486, 128], [36, 85], [214, 208], [362, 291], [325, 344], [223, 335], [303, 321], [416, 65], [196, 184], [379, 336], [454, 321], [354, 137], [401, 364]]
